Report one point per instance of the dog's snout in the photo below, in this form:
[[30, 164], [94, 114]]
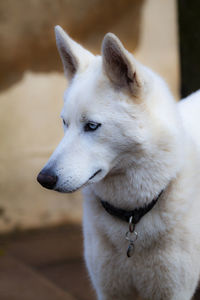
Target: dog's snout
[[47, 179]]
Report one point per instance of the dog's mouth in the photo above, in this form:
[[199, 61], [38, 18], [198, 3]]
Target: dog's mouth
[[62, 189], [97, 172]]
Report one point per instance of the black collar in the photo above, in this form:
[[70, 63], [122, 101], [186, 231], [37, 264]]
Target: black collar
[[125, 215]]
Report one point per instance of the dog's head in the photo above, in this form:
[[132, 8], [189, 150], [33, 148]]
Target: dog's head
[[107, 114]]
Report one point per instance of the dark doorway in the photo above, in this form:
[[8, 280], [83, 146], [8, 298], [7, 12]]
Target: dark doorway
[[189, 34]]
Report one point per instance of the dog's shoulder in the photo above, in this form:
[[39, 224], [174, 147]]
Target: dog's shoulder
[[189, 109]]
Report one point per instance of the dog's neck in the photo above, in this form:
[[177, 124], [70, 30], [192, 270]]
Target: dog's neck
[[136, 186]]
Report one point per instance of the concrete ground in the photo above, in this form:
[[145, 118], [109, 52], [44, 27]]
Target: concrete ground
[[45, 265]]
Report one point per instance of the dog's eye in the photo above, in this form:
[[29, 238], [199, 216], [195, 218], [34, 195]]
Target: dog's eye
[[64, 123], [91, 126]]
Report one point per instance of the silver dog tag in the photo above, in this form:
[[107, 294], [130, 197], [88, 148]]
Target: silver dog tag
[[130, 250], [131, 236]]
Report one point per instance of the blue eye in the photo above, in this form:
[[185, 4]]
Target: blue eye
[[64, 123], [91, 126]]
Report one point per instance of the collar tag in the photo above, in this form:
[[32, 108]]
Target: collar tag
[[131, 236]]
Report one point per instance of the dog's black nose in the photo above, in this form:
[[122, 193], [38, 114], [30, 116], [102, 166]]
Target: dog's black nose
[[47, 179]]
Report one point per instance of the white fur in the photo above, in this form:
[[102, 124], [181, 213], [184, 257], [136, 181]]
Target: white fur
[[147, 142]]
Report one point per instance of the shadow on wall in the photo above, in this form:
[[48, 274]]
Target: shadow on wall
[[27, 37]]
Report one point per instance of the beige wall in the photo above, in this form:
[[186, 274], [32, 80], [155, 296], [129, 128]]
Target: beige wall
[[158, 43], [32, 88]]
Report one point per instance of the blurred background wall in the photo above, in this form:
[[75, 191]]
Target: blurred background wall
[[32, 85]]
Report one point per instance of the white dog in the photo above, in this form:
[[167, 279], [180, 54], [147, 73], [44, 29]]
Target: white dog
[[138, 153]]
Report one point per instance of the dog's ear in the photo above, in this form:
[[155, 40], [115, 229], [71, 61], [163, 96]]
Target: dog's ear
[[120, 65], [74, 57]]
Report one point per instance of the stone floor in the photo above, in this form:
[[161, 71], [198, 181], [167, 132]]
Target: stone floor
[[45, 265]]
